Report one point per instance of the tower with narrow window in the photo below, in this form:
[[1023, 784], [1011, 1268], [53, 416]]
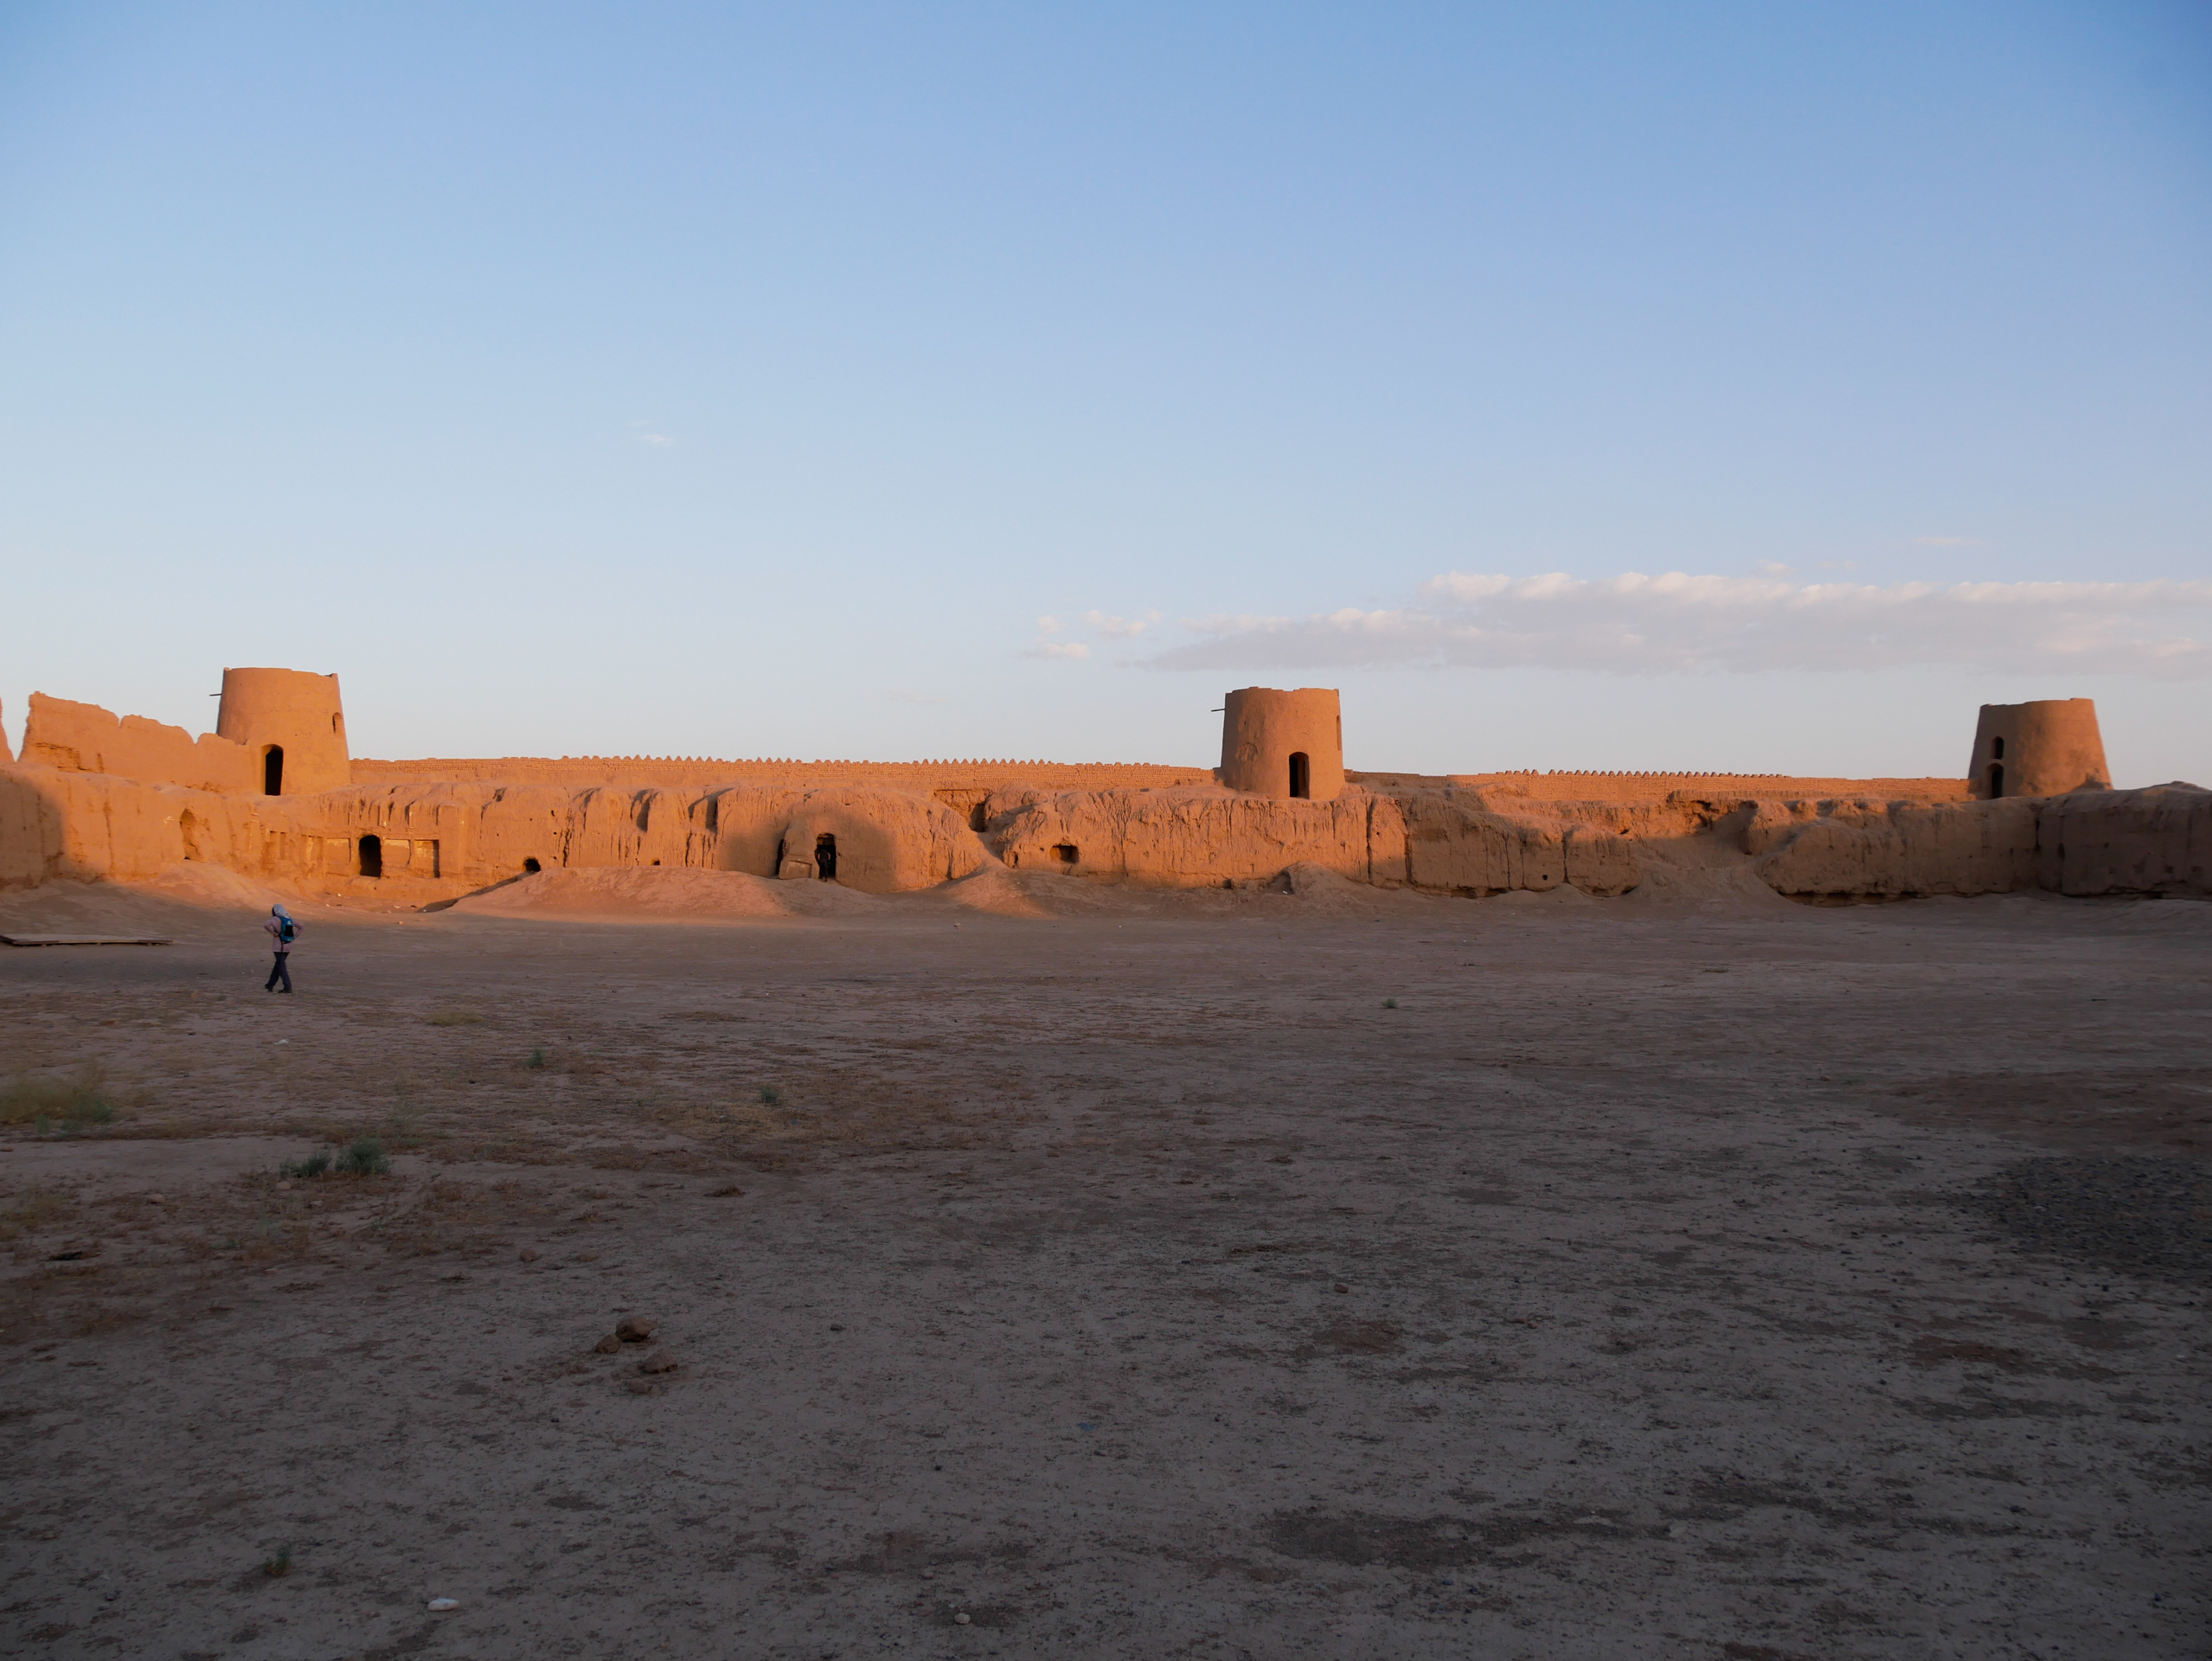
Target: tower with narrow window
[[1286, 745], [293, 723], [2044, 748]]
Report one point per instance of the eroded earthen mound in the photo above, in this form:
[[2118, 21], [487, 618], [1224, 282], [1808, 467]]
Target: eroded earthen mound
[[672, 894]]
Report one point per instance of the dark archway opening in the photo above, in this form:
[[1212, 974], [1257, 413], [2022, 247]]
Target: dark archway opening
[[825, 857], [1301, 776], [1064, 855], [979, 817], [372, 855], [530, 867], [1997, 780], [272, 771]]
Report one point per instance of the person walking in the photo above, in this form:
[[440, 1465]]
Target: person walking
[[283, 930]]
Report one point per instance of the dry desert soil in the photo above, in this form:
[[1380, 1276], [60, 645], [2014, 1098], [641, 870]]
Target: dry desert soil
[[1043, 1270]]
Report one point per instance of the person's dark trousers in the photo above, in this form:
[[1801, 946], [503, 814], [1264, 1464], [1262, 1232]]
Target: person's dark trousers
[[282, 971]]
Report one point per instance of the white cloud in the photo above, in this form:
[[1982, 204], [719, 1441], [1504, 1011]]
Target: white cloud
[[654, 437], [1121, 628], [1058, 649], [1677, 624], [1774, 568]]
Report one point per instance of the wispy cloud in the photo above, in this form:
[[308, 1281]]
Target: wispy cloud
[[1121, 628], [654, 437], [1677, 624], [1046, 646]]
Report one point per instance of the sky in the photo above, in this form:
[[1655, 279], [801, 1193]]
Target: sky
[[1722, 387]]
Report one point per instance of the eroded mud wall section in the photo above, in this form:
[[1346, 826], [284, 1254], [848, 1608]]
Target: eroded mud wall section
[[85, 738], [2156, 841]]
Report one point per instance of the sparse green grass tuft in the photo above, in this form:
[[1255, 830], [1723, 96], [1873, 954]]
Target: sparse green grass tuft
[[537, 1058], [314, 1165], [280, 1565], [1389, 1002], [364, 1156], [456, 1018], [771, 1096], [70, 1104]]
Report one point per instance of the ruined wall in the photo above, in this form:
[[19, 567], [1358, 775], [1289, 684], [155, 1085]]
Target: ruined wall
[[442, 840], [85, 738], [1629, 788], [1182, 838], [2154, 841], [1887, 849]]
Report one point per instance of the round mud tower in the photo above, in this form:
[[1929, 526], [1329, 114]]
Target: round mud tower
[[291, 722], [2044, 748], [1286, 745]]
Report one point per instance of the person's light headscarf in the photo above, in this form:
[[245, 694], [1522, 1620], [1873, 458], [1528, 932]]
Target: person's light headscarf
[[278, 911]]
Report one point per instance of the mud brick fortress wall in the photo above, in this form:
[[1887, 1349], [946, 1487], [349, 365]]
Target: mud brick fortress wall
[[274, 794]]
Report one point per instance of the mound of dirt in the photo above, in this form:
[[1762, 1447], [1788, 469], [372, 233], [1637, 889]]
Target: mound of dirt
[[653, 893], [998, 891], [190, 901], [1565, 897]]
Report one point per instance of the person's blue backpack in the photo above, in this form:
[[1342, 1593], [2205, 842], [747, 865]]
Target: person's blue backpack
[[286, 932]]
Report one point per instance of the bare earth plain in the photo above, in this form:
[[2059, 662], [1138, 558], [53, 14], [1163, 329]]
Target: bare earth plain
[[1052, 1270]]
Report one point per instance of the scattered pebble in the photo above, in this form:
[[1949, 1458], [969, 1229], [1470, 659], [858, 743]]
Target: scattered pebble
[[635, 1329], [1343, 1288], [439, 1606], [661, 1360], [607, 1345], [643, 1387], [156, 1199], [529, 1256], [960, 1619]]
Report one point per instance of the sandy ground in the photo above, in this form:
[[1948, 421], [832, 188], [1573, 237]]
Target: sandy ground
[[1226, 1275]]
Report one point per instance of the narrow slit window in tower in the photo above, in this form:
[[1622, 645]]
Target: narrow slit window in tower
[[825, 857], [1997, 780], [272, 771], [1997, 749], [1301, 775], [372, 855]]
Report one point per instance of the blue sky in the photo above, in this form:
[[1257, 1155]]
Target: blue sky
[[903, 380]]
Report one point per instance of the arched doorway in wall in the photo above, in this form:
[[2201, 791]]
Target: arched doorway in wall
[[1301, 775], [825, 857], [1997, 780], [372, 855], [272, 771]]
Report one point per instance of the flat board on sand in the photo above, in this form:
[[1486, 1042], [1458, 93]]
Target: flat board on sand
[[83, 940]]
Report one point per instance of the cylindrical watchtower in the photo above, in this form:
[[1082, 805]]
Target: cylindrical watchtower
[[291, 722], [2045, 748], [1287, 745]]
